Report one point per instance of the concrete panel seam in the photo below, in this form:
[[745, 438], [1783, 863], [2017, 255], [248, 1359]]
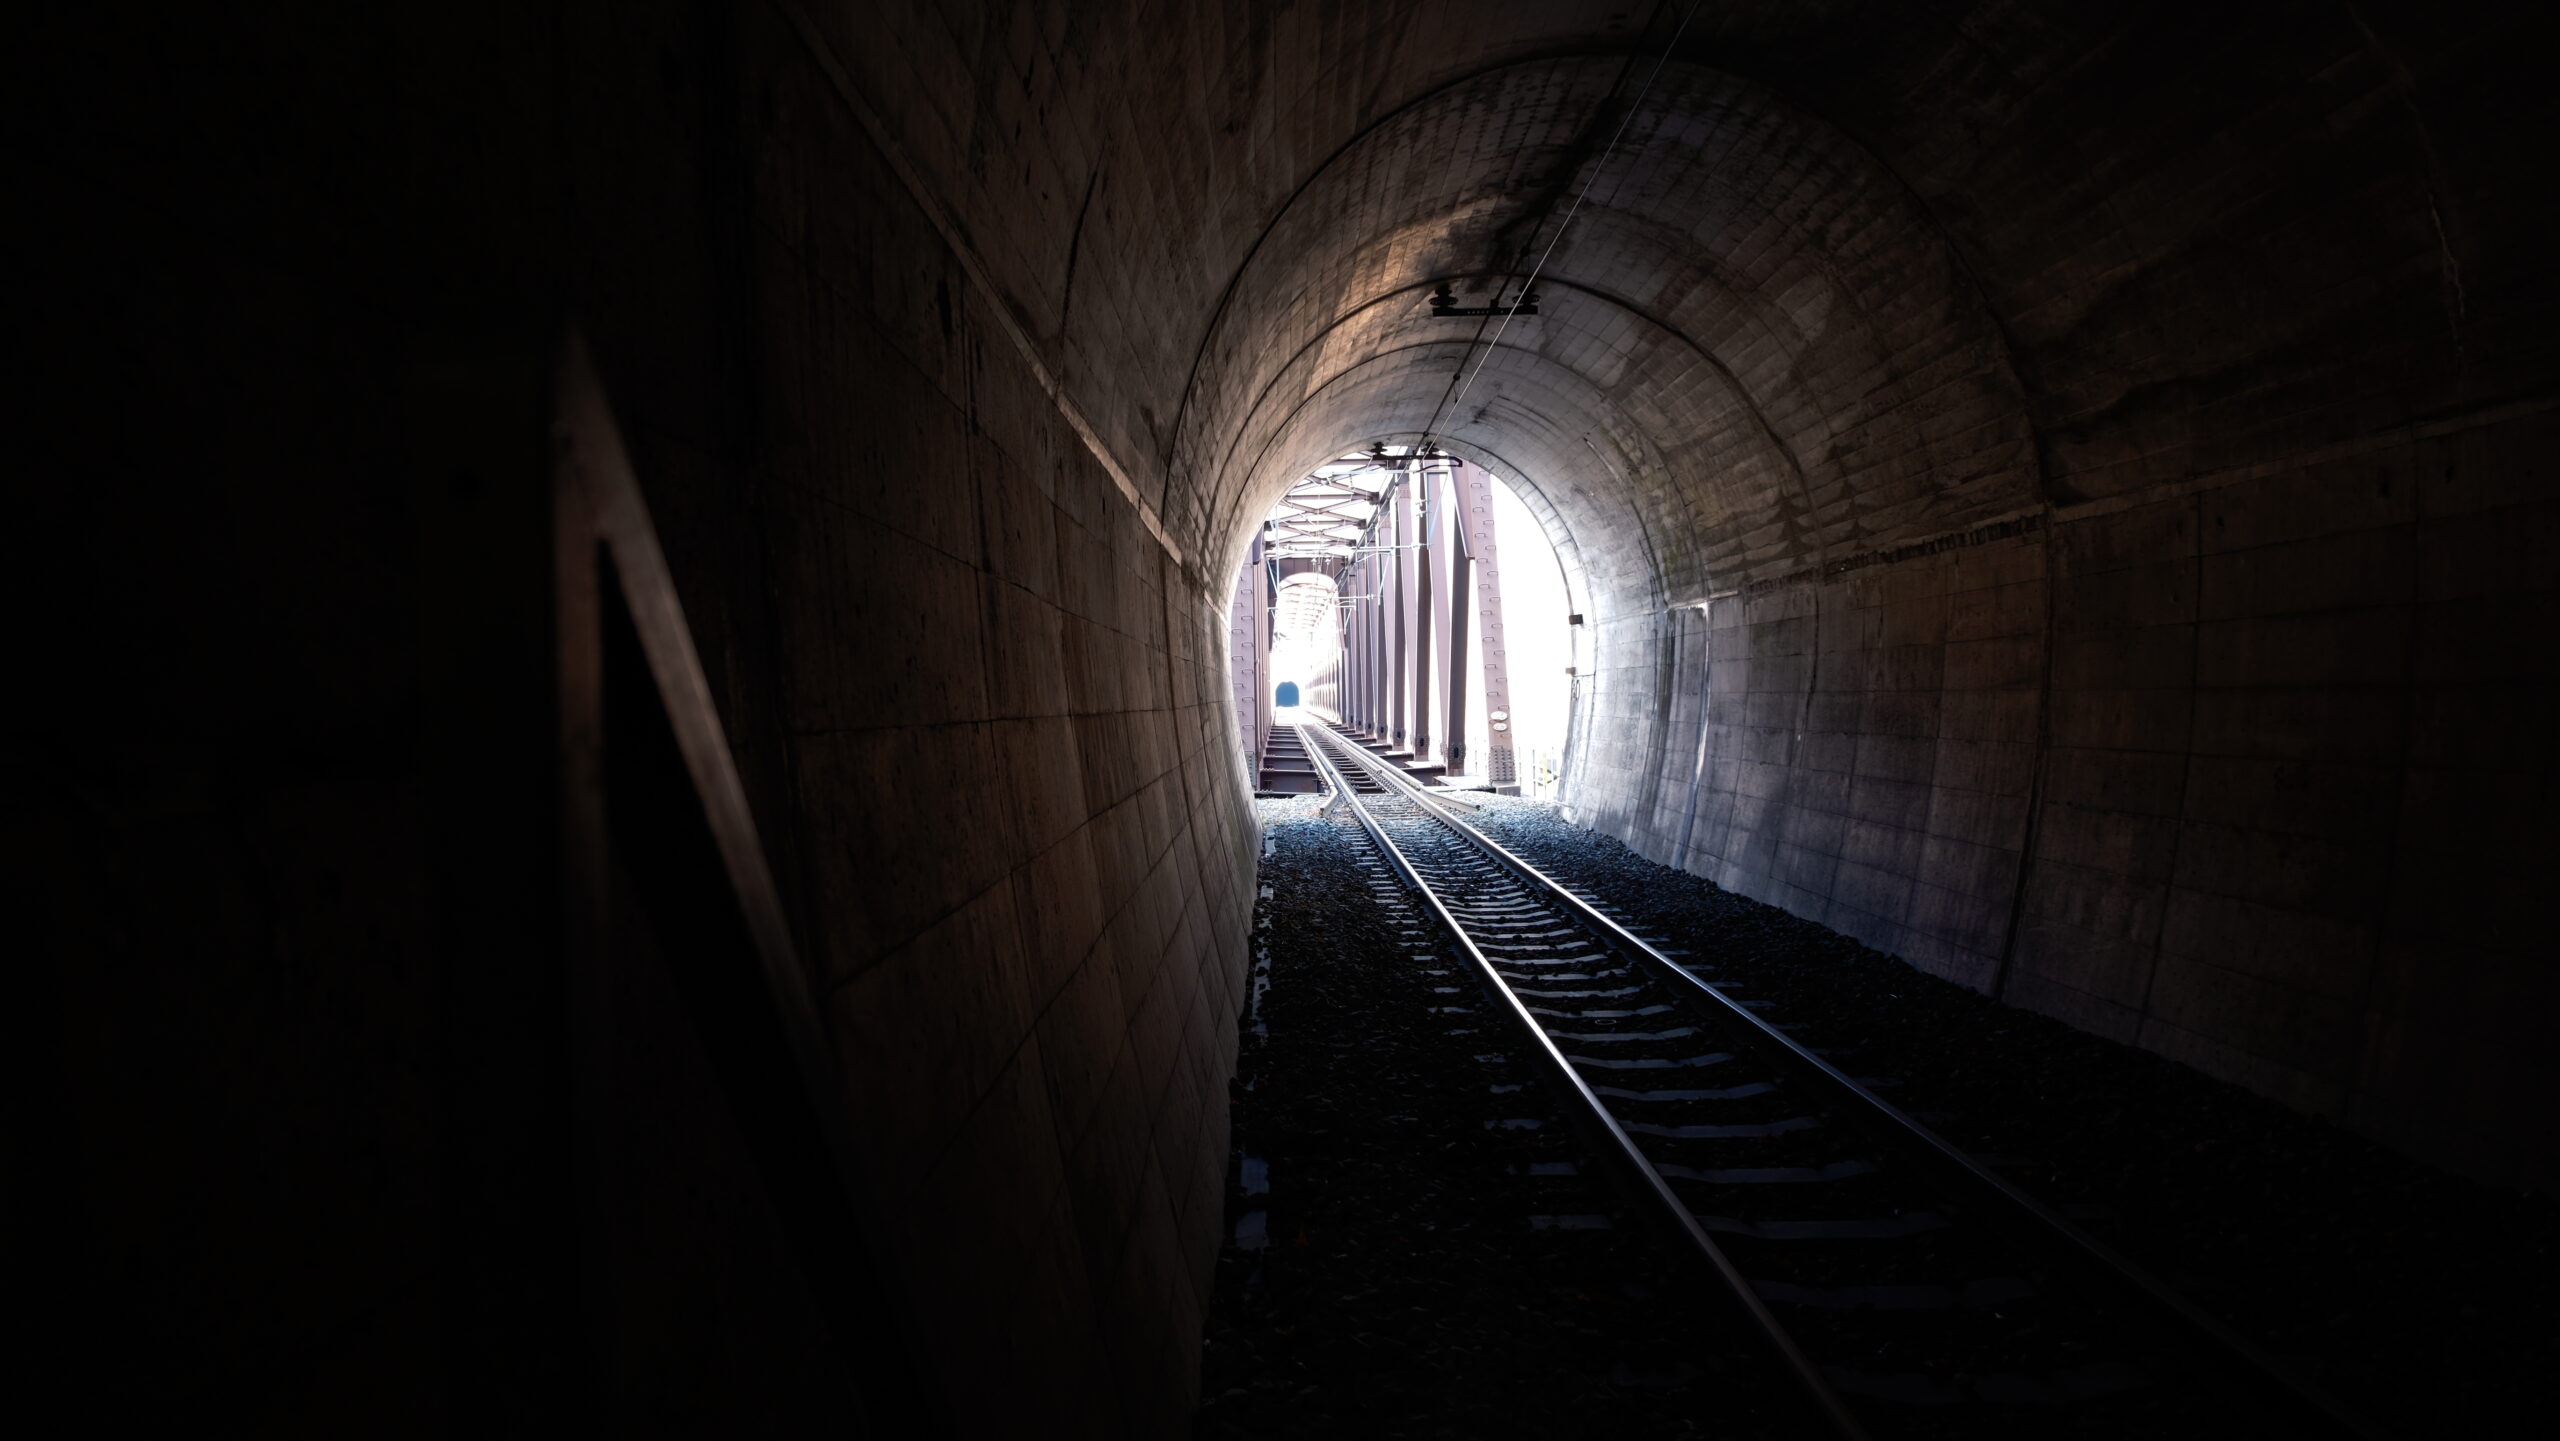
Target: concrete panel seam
[[2384, 439], [877, 129]]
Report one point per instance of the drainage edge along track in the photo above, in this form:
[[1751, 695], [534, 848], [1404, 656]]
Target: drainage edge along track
[[2237, 1353], [1818, 1387]]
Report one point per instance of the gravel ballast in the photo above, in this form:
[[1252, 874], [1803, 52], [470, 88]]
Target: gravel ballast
[[1419, 1242], [2426, 1301]]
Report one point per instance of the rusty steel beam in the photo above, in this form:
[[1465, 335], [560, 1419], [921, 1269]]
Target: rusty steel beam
[[1475, 511], [1449, 536], [1353, 652], [1418, 673], [1364, 622], [1399, 566], [1355, 621], [1348, 704], [1376, 624]]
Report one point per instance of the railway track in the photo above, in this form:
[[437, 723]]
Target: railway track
[[1910, 1289]]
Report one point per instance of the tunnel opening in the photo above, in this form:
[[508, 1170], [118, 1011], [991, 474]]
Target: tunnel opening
[[1306, 644], [1396, 592], [2049, 499]]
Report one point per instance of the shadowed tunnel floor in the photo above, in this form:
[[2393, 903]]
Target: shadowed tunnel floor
[[1391, 1268]]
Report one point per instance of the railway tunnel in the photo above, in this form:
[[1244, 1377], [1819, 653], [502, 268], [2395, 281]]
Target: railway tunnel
[[637, 809]]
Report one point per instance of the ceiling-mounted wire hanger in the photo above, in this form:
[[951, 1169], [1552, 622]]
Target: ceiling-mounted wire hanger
[[1463, 381]]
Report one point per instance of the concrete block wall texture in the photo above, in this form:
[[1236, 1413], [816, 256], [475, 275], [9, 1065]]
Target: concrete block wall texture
[[2232, 775], [987, 710], [1893, 340], [1871, 751], [2112, 450]]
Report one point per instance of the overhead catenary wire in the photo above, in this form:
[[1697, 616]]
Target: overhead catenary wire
[[1462, 381], [1465, 381]]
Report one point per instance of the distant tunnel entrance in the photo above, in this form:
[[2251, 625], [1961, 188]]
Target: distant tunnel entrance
[[2055, 493]]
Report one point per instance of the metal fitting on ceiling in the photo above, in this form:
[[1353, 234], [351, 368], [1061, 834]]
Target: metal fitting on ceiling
[[1444, 302]]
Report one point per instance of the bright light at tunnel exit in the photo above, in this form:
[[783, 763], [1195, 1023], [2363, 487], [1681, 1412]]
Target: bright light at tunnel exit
[[1305, 661], [1305, 647]]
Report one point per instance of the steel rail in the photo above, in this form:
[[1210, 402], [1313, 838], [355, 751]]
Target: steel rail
[[2254, 1360], [1835, 1411]]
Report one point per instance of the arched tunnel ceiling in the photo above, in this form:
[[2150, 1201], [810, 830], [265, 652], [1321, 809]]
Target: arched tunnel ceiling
[[1742, 324], [1851, 278]]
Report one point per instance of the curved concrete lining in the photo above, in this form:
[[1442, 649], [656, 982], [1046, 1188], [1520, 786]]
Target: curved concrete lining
[[2082, 471]]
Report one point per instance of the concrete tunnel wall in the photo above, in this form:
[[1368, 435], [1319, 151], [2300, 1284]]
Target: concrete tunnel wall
[[2114, 451], [982, 705]]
